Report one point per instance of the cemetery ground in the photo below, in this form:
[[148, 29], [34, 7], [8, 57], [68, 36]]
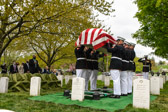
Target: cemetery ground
[[19, 102]]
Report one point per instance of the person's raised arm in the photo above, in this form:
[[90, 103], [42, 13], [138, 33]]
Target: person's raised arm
[[111, 49], [81, 48], [140, 60], [88, 51]]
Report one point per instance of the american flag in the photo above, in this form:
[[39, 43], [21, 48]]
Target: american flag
[[95, 37]]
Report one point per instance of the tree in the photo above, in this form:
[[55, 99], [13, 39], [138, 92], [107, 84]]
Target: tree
[[16, 51], [54, 42], [162, 62], [19, 18], [152, 15], [51, 49]]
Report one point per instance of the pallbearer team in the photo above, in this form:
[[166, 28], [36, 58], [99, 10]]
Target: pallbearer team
[[122, 66]]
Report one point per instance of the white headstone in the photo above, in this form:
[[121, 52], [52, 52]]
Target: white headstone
[[141, 94], [60, 77], [3, 110], [59, 73], [78, 88], [135, 77], [155, 85], [149, 77], [35, 86], [111, 78], [103, 77], [104, 74], [161, 82], [166, 78], [140, 77], [99, 77], [74, 76], [67, 77], [107, 81], [4, 84]]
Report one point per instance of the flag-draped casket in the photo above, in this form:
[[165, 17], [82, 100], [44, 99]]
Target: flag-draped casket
[[95, 38]]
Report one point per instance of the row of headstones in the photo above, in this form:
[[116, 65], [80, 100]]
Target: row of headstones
[[106, 79], [142, 88], [103, 78], [156, 83], [35, 84], [34, 87], [66, 77]]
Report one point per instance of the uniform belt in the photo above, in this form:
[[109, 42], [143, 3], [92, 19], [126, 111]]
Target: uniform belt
[[146, 66], [81, 58], [116, 58], [125, 61], [131, 61], [94, 60], [88, 59], [91, 60]]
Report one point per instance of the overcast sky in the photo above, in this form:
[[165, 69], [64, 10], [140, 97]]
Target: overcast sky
[[124, 24]]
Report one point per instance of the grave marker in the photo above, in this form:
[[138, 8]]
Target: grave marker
[[60, 77], [99, 77], [155, 85], [107, 81], [166, 78], [161, 82], [3, 110], [4, 84], [78, 88], [35, 86], [67, 77], [141, 94]]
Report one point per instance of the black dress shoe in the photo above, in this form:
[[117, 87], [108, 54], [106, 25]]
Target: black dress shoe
[[114, 96], [124, 95], [129, 93]]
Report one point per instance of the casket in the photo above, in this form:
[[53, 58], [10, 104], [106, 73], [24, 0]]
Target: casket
[[95, 38]]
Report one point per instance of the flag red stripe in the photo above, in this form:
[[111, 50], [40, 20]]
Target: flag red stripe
[[86, 36], [104, 35], [99, 45], [93, 32], [89, 35], [100, 31]]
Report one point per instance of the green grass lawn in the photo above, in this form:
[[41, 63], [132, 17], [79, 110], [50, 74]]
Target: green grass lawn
[[19, 102], [157, 68]]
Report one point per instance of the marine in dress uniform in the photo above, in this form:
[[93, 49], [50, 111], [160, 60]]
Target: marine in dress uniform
[[116, 66], [93, 78], [89, 66], [124, 71], [146, 66], [81, 61], [131, 67]]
